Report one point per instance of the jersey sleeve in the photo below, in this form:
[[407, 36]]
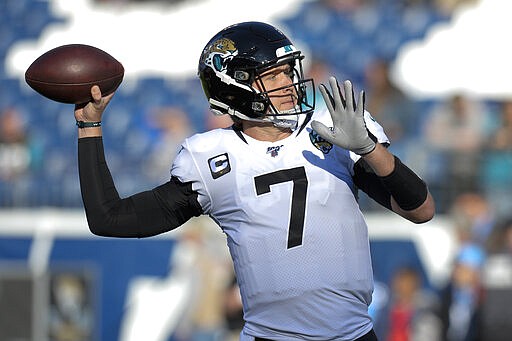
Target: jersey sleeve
[[186, 170]]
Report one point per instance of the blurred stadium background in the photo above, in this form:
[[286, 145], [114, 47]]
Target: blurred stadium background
[[60, 283]]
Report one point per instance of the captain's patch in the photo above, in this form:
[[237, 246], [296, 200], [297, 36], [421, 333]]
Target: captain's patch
[[219, 165]]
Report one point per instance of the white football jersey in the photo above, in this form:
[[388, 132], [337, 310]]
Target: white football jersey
[[297, 237]]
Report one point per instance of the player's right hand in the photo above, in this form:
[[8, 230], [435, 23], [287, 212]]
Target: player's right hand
[[349, 128], [93, 111]]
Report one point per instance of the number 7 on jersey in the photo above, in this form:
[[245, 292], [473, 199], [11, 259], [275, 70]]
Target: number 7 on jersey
[[298, 208]]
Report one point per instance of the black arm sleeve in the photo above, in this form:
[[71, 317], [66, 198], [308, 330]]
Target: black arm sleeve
[[408, 190], [141, 215], [366, 180]]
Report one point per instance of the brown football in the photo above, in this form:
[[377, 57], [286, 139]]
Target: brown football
[[67, 73]]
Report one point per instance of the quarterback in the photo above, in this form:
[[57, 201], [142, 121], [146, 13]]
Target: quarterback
[[281, 183]]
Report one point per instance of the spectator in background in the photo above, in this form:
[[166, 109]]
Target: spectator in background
[[319, 70], [496, 177], [213, 266], [173, 126], [461, 299], [455, 133], [388, 104], [410, 314], [16, 154], [500, 241], [501, 137], [497, 279], [473, 217]]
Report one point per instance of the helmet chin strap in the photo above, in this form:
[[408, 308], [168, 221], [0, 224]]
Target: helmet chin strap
[[285, 119]]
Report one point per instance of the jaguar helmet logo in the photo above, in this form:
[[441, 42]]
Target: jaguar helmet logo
[[218, 53]]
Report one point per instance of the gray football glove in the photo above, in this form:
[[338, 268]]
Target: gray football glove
[[349, 130]]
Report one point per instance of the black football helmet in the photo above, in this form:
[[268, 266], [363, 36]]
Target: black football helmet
[[232, 62]]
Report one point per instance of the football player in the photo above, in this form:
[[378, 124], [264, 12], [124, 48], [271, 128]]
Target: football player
[[281, 183]]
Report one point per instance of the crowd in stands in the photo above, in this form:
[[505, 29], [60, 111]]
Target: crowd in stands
[[355, 39]]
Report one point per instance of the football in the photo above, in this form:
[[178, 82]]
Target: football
[[66, 73]]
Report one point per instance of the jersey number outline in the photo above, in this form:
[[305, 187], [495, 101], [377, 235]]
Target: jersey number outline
[[298, 208]]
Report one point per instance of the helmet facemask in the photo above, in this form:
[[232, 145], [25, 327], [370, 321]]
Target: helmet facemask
[[265, 108]]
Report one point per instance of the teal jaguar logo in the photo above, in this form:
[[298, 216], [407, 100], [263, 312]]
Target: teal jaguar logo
[[319, 142]]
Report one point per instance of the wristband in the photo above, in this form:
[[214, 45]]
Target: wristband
[[82, 124]]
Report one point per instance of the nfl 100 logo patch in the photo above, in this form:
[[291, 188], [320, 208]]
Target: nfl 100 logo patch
[[274, 150]]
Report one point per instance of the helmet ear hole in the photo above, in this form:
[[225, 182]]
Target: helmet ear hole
[[241, 76], [258, 106]]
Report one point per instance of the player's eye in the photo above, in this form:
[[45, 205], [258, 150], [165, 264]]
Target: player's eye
[[271, 76]]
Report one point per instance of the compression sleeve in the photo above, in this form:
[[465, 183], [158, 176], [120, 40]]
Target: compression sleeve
[[408, 190], [366, 180], [141, 215]]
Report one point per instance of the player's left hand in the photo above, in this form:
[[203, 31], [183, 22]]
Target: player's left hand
[[349, 128]]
